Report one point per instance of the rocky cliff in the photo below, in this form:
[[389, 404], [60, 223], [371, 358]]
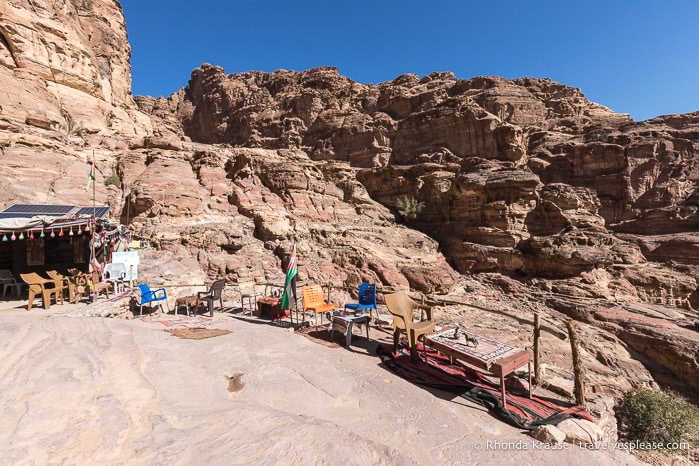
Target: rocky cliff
[[420, 183], [522, 177]]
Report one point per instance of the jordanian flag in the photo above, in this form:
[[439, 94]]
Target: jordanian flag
[[91, 175], [290, 283]]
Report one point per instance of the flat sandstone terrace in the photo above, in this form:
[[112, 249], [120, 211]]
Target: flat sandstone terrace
[[113, 391]]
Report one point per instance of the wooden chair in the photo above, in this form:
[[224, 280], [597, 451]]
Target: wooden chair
[[401, 307], [313, 301], [98, 286], [39, 286], [79, 275], [81, 279]]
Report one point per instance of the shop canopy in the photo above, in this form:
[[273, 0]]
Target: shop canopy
[[25, 217]]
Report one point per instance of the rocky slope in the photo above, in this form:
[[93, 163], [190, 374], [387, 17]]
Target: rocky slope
[[413, 183]]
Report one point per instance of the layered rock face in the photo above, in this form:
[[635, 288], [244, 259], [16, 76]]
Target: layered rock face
[[64, 66], [523, 177], [411, 183]]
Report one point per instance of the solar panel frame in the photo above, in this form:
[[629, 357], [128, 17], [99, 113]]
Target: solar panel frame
[[31, 210]]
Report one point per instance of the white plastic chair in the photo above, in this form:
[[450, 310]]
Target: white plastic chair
[[115, 273]]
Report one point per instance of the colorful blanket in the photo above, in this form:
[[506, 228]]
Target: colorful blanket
[[178, 321], [119, 297], [471, 384]]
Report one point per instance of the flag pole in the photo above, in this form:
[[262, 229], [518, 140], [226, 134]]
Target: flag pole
[[94, 186], [94, 207]]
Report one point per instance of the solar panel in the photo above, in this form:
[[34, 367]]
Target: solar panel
[[30, 210], [100, 211], [39, 209], [18, 215]]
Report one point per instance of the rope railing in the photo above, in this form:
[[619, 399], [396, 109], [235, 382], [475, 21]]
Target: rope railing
[[421, 297]]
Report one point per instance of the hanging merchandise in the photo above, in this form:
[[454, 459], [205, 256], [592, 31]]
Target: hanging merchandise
[[13, 237], [21, 235], [4, 236], [60, 234], [42, 234], [53, 234], [71, 232], [87, 227], [31, 235]]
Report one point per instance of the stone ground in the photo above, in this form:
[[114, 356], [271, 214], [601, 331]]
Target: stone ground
[[105, 390]]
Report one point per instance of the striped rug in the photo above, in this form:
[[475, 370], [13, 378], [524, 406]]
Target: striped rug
[[438, 372]]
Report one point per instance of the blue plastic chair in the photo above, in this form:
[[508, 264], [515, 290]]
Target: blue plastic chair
[[150, 296], [367, 299]]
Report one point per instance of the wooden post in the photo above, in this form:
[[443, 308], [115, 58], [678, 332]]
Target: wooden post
[[578, 369], [537, 336]]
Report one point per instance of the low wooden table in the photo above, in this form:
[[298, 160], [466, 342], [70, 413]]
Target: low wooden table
[[189, 302], [489, 355], [269, 307]]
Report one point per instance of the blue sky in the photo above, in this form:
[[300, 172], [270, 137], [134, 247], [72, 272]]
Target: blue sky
[[638, 57]]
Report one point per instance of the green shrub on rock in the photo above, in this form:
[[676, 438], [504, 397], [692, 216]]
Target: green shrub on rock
[[655, 416], [409, 207], [113, 180]]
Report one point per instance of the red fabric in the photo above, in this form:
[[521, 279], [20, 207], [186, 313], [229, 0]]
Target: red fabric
[[439, 372]]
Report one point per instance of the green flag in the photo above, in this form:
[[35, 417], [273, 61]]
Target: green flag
[[91, 175], [290, 282]]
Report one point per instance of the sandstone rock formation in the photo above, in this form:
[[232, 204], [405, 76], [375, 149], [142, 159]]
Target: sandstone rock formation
[[412, 183], [64, 68]]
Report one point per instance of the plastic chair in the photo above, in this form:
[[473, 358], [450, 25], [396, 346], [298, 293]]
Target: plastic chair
[[313, 301], [367, 299], [65, 284], [115, 273], [39, 286], [247, 293], [150, 296], [212, 295], [61, 282], [7, 279], [401, 307]]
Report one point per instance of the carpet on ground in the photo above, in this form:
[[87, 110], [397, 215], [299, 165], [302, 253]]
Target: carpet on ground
[[198, 333], [119, 297], [177, 321], [439, 372]]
